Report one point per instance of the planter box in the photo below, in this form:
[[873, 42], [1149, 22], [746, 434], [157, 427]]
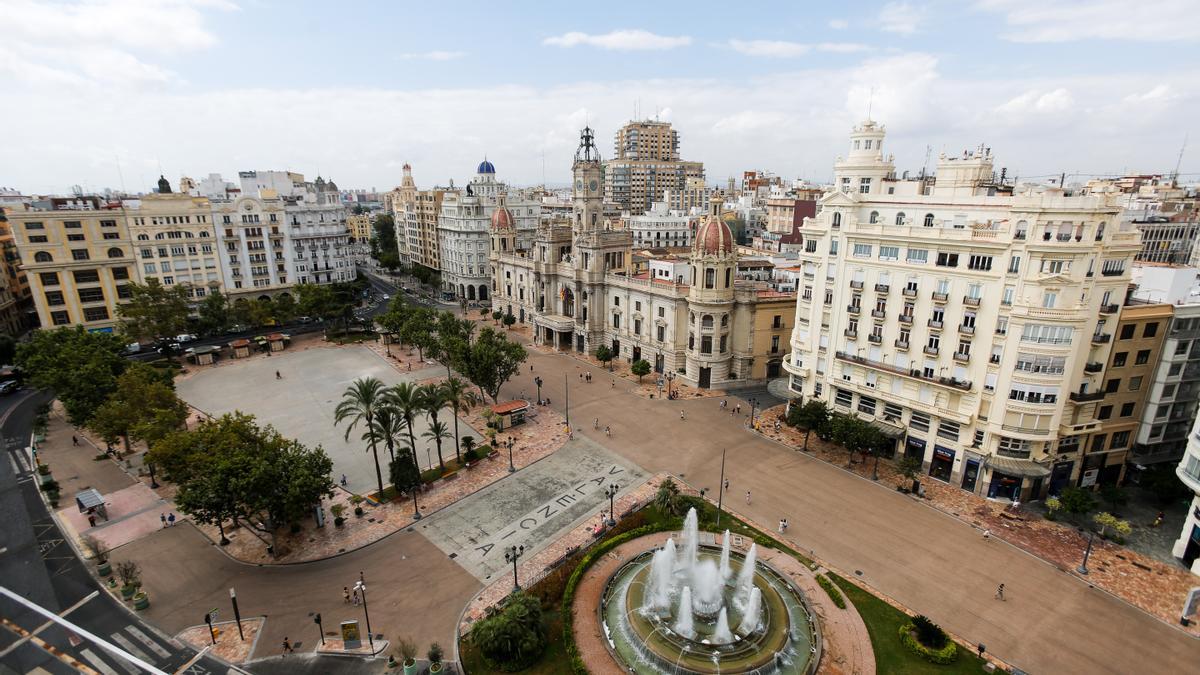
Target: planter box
[[127, 592], [411, 669], [141, 601], [104, 569]]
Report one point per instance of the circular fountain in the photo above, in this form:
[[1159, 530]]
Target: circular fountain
[[702, 609]]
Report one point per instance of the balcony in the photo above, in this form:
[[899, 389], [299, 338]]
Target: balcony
[[962, 385], [934, 323], [940, 297], [902, 344], [1093, 367], [882, 288], [1101, 338], [909, 292], [852, 334], [970, 301], [857, 285], [878, 313], [1112, 273], [962, 357], [966, 329], [853, 309], [1081, 397], [931, 351], [1109, 309], [875, 338], [906, 318], [994, 358]]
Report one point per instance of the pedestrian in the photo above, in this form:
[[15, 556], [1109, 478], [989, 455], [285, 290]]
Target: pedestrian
[[738, 408], [785, 525], [614, 384], [531, 367], [581, 377], [163, 518], [1158, 519], [356, 596], [346, 594], [781, 526], [278, 376], [74, 440], [171, 519], [589, 377], [723, 403], [682, 416], [1000, 592], [607, 431], [91, 520], [287, 646], [727, 485], [747, 496], [987, 534], [344, 481], [596, 423]]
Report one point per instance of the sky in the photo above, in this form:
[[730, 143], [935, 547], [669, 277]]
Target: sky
[[109, 93]]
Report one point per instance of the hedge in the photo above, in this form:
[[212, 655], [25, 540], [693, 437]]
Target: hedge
[[941, 656], [834, 594]]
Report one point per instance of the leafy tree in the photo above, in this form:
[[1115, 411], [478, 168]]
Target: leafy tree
[[812, 416], [215, 313], [1077, 501], [1114, 496], [210, 501], [383, 235], [8, 349], [459, 397], [508, 320], [361, 401], [154, 311], [641, 368], [514, 637], [667, 498], [496, 316], [402, 470], [283, 308], [1108, 521], [1161, 481], [468, 444], [418, 329], [437, 433], [491, 360], [142, 407], [909, 467], [405, 399], [604, 355], [318, 301], [389, 260], [252, 312], [80, 367]]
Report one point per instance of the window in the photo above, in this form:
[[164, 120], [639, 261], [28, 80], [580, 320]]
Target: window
[[1040, 364], [38, 239], [710, 278], [948, 430], [1127, 409], [91, 295], [900, 218], [55, 298], [1150, 330], [918, 256], [87, 277], [724, 340], [1135, 383], [34, 226], [48, 278], [74, 237], [115, 253], [1112, 385], [874, 217], [919, 421], [837, 217], [1014, 264], [980, 262], [928, 220], [1055, 266], [1105, 412], [842, 397], [866, 404], [60, 318], [80, 254], [947, 260], [72, 224], [889, 252], [1013, 447], [42, 257], [864, 185], [124, 292], [706, 344], [661, 333], [1127, 331], [1049, 299], [862, 250], [1006, 297], [1045, 334], [95, 314], [1143, 357]]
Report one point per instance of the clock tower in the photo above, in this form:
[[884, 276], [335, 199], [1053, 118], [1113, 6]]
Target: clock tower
[[589, 188]]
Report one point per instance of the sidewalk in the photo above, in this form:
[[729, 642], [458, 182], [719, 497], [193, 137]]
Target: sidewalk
[[1155, 587]]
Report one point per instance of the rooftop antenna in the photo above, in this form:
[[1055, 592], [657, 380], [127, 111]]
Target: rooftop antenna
[[1179, 160], [870, 103], [925, 166], [120, 173]]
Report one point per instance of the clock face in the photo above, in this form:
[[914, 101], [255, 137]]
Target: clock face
[[592, 186], [579, 185]]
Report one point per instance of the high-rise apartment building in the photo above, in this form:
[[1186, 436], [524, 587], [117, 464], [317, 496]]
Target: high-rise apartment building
[[962, 316], [78, 257], [1187, 547], [416, 214], [645, 165]]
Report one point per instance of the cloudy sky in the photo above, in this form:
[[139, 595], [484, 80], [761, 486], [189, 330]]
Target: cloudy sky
[[104, 92]]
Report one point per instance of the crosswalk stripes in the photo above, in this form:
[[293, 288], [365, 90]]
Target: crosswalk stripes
[[151, 644], [96, 662], [126, 644]]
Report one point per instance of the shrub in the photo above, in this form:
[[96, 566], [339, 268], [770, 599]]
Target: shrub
[[43, 469], [1076, 501], [129, 573], [337, 510], [513, 638], [408, 651], [1108, 521], [358, 510], [943, 655], [929, 633], [356, 499], [435, 653], [834, 593], [50, 486]]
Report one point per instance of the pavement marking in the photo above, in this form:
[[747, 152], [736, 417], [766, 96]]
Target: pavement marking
[[97, 663], [145, 639], [23, 640], [131, 648], [187, 667]]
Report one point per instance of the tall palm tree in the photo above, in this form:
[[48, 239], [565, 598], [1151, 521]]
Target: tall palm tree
[[388, 426], [459, 396], [436, 433], [405, 399], [361, 402], [433, 399]]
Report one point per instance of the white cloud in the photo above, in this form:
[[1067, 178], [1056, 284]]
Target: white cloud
[[1068, 21], [620, 40], [106, 42], [839, 24], [1038, 102], [435, 55], [1159, 94], [784, 49], [899, 17]]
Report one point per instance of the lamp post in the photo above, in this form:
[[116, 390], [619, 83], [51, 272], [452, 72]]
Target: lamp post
[[567, 401], [1082, 569], [237, 616], [753, 404], [153, 482], [511, 468], [512, 555], [721, 488], [416, 508], [538, 381], [320, 628], [361, 587], [611, 493], [670, 379]]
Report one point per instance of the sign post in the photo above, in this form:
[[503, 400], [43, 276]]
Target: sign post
[[236, 614], [208, 619]]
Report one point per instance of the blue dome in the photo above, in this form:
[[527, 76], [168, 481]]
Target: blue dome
[[485, 167]]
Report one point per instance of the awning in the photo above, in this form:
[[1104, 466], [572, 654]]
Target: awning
[[890, 430], [1018, 467], [89, 498]]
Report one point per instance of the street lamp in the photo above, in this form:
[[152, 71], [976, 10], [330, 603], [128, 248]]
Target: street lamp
[[511, 468], [721, 488], [753, 403], [1082, 569], [512, 555], [670, 379], [361, 587], [611, 493], [416, 508], [538, 381]]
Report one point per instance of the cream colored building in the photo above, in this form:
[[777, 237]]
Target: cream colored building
[[645, 165], [416, 214], [360, 226], [175, 241], [1187, 547], [958, 314], [16, 302], [78, 257]]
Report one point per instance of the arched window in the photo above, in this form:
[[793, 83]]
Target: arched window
[[724, 320], [728, 277], [116, 253], [143, 237], [159, 235], [874, 217], [837, 219], [42, 256], [710, 277], [928, 220], [706, 322], [900, 218], [189, 235]]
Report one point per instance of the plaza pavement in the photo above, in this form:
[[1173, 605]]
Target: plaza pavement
[[301, 404]]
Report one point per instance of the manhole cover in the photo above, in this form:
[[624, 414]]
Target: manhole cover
[[453, 556]]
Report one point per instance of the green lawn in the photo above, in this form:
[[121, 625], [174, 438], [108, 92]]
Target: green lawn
[[883, 623], [552, 659]]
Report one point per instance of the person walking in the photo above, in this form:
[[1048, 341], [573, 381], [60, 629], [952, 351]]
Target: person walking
[[595, 422], [682, 416], [1000, 592], [785, 525], [724, 403], [356, 597], [344, 481], [581, 377], [74, 440], [747, 496], [278, 376], [727, 485], [346, 594], [287, 646], [781, 526], [614, 384], [607, 431], [163, 517], [171, 519]]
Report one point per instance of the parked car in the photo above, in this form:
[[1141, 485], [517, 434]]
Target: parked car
[[185, 337], [8, 387], [133, 348]]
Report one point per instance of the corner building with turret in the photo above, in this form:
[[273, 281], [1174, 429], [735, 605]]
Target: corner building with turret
[[575, 286]]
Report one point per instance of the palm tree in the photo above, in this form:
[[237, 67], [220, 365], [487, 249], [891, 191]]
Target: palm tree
[[361, 402], [388, 425], [458, 395], [436, 432], [432, 399], [405, 399]]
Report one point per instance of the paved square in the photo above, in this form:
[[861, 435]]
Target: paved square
[[532, 507], [301, 404]]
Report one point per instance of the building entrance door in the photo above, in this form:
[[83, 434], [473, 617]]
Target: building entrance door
[[970, 474], [637, 354], [1060, 477], [658, 363], [705, 377]]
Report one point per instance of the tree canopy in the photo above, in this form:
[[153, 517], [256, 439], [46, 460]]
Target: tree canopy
[[154, 311], [215, 313], [80, 367], [142, 407], [490, 360]]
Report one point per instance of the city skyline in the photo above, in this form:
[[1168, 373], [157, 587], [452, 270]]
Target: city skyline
[[210, 86]]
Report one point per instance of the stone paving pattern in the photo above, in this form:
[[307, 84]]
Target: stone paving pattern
[[229, 648], [1147, 583]]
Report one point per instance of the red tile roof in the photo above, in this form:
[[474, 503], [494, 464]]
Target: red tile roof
[[510, 407]]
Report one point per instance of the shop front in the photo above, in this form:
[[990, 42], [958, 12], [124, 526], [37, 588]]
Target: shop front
[[914, 448], [1060, 477], [1004, 486], [970, 474], [942, 464], [1016, 479]]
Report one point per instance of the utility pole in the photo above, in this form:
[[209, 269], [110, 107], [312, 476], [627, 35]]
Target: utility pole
[[721, 488]]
